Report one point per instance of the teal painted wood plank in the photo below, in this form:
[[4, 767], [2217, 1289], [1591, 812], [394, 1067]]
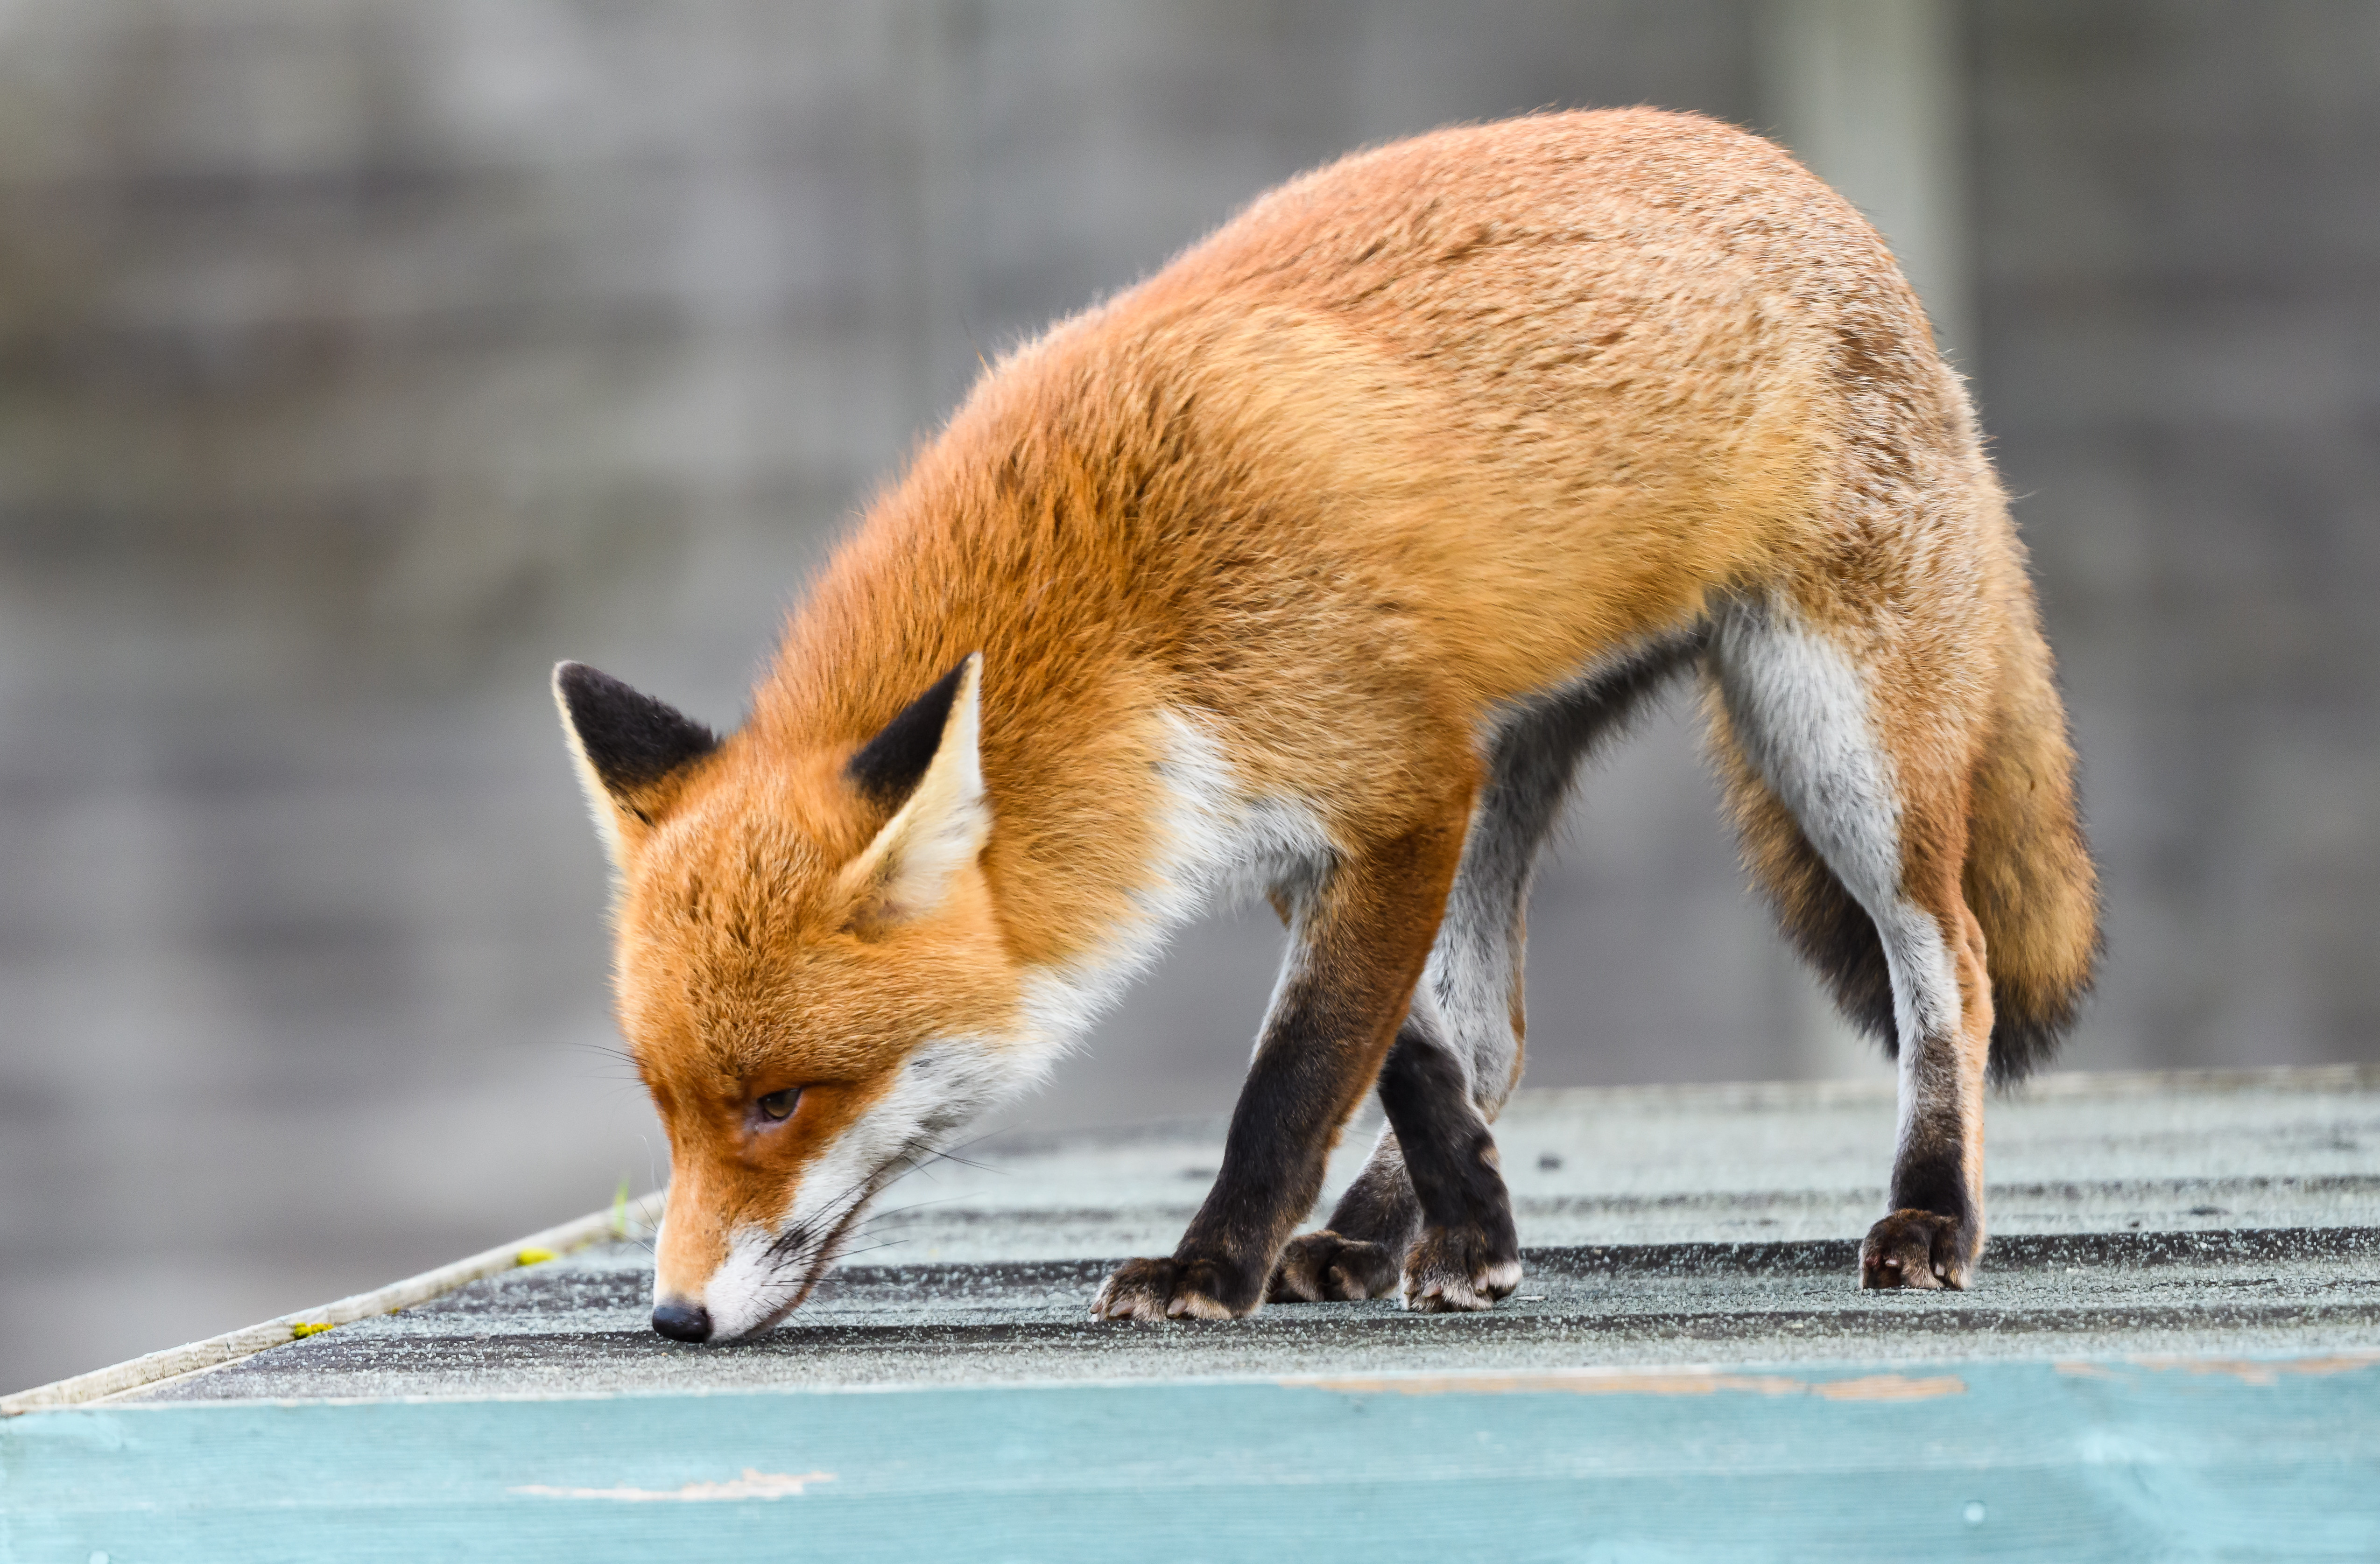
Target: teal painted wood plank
[[1998, 1460]]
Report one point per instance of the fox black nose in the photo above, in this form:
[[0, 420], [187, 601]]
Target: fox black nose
[[682, 1322]]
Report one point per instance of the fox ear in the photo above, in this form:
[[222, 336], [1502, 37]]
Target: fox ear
[[626, 743], [927, 759]]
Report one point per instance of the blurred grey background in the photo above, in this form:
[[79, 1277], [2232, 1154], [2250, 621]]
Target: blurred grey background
[[359, 358]]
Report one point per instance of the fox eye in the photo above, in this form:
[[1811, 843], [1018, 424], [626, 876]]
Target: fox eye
[[777, 1106]]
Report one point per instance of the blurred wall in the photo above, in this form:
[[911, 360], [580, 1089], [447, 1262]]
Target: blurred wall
[[358, 359], [2178, 218]]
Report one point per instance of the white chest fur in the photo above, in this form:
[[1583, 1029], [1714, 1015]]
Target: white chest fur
[[1217, 844]]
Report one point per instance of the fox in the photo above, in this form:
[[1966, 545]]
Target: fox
[[1314, 566]]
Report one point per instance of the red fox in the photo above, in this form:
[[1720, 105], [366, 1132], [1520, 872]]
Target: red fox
[[1312, 566]]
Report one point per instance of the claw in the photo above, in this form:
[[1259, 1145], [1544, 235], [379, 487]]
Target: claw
[[1451, 1272], [1155, 1290]]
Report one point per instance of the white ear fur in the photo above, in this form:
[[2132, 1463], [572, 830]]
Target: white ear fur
[[907, 870], [601, 804], [624, 743]]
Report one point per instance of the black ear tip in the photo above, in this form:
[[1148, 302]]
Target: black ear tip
[[631, 739], [579, 685], [888, 766], [590, 694]]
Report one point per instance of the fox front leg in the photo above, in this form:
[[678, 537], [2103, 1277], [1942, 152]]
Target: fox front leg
[[1356, 956]]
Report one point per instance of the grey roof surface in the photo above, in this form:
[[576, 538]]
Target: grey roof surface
[[2206, 1214]]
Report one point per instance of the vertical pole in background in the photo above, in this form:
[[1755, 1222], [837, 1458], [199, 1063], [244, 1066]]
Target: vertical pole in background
[[1872, 95], [938, 42]]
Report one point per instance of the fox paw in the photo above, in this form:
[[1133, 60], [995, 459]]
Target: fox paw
[[1454, 1270], [1163, 1289], [1329, 1267], [1920, 1249]]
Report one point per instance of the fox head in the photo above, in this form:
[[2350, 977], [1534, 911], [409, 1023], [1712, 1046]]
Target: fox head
[[809, 974]]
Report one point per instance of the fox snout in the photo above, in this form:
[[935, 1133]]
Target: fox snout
[[711, 1283], [682, 1321], [688, 1252]]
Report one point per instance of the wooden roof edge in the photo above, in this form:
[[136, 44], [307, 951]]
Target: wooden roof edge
[[194, 1357], [640, 1215]]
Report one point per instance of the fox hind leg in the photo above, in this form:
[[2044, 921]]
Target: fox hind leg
[[1803, 719], [1467, 1254]]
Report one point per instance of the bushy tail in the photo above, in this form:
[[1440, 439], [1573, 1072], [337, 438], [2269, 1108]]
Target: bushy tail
[[2029, 877]]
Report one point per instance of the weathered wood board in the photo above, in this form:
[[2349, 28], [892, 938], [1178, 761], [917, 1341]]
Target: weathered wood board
[[2183, 1460]]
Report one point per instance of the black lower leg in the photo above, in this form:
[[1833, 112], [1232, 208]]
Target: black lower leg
[[1273, 1157], [1932, 1177], [1449, 1155], [1380, 1208], [1931, 1234], [1362, 1253]]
